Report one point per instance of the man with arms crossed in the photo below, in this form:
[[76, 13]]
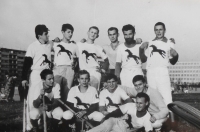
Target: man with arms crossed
[[65, 58], [138, 117], [128, 58], [38, 58], [113, 96], [88, 53]]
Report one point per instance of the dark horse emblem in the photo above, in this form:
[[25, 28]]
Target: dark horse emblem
[[93, 55], [62, 49], [46, 61], [155, 49], [128, 121], [130, 55], [79, 102], [111, 103]]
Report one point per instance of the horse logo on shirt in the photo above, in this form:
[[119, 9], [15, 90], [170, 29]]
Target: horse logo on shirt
[[155, 49], [93, 55], [128, 121], [62, 49], [130, 55], [79, 102], [46, 61], [111, 102]]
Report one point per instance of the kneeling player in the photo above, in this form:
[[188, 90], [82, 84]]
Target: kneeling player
[[51, 92], [138, 117], [85, 101]]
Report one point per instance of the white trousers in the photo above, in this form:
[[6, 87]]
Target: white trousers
[[57, 113], [96, 116], [127, 75], [64, 76], [158, 78]]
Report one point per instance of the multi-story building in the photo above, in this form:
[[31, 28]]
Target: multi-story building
[[185, 72], [11, 61]]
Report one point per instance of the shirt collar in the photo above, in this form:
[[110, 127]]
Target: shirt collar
[[164, 39]]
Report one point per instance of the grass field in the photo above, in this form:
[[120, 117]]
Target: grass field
[[11, 114]]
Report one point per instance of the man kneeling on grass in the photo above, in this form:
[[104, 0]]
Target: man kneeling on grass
[[138, 117], [51, 92]]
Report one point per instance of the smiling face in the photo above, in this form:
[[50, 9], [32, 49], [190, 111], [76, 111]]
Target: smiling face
[[159, 31], [84, 80], [48, 83], [141, 104], [139, 86], [93, 34], [67, 34], [111, 84], [128, 36]]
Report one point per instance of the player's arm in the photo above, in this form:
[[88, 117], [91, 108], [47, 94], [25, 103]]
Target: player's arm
[[118, 69], [105, 64], [142, 48], [138, 40], [125, 97], [37, 102], [102, 104]]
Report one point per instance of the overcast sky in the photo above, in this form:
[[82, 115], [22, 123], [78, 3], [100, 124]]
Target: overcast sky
[[18, 19]]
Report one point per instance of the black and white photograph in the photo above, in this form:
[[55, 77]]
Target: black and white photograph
[[99, 66]]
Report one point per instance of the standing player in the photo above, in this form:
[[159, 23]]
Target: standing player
[[84, 99], [65, 58], [38, 56], [51, 92], [138, 117], [128, 58], [160, 53], [113, 96], [88, 53]]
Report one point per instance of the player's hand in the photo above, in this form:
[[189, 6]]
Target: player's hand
[[24, 83], [80, 114], [104, 113], [152, 119], [83, 40], [138, 40], [45, 108], [98, 69], [144, 45], [57, 40], [173, 52], [41, 93], [172, 40]]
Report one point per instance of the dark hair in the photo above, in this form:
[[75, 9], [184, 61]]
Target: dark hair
[[160, 23], [113, 28], [39, 29], [144, 95], [128, 27], [94, 27], [67, 26], [44, 73], [111, 76], [81, 72], [138, 78]]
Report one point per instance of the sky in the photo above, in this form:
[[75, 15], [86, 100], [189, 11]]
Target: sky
[[18, 19]]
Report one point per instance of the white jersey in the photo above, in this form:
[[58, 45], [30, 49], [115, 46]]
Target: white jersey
[[158, 53], [54, 94], [41, 55], [64, 53], [112, 54], [128, 57], [137, 122], [88, 54], [83, 100], [112, 100]]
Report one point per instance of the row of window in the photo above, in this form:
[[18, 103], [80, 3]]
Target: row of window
[[194, 75], [188, 63], [185, 79], [184, 67], [187, 71]]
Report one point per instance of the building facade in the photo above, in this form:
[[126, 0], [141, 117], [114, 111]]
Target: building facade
[[185, 72], [11, 61]]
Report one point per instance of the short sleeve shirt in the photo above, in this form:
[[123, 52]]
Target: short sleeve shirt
[[64, 53], [88, 54], [158, 53], [117, 97], [41, 55], [89, 97], [128, 57], [137, 122]]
